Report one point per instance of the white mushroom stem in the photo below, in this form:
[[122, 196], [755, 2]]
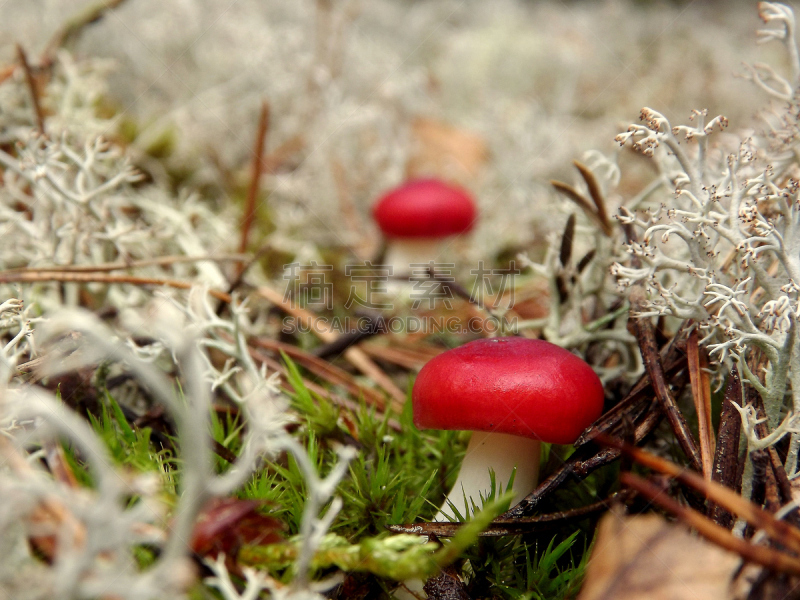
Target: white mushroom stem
[[501, 453], [401, 253]]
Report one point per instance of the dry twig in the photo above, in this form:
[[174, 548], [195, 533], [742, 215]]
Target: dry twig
[[760, 555], [249, 213], [645, 335], [26, 276], [780, 531], [354, 355], [726, 458], [518, 526], [126, 265], [596, 195], [594, 209], [701, 393], [74, 26], [323, 368], [32, 87]]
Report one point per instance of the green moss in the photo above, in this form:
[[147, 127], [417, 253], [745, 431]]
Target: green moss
[[398, 476]]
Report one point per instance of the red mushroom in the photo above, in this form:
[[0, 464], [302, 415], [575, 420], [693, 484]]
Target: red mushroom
[[417, 215], [513, 393]]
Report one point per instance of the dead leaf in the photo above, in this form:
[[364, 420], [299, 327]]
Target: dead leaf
[[441, 150], [648, 557], [227, 523]]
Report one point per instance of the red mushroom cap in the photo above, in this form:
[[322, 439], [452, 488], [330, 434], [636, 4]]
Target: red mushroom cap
[[519, 386], [425, 208]]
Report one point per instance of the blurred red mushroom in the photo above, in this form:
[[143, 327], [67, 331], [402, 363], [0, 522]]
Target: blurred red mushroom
[[417, 215]]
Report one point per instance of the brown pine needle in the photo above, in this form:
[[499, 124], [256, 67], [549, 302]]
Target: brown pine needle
[[344, 403], [249, 214], [356, 356], [579, 199], [32, 87], [645, 335], [322, 368], [596, 195], [701, 393], [760, 555], [780, 531], [127, 265], [725, 470], [574, 195], [408, 359], [66, 277], [75, 25], [517, 526]]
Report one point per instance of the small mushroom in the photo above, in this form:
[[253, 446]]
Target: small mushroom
[[513, 393], [417, 215]]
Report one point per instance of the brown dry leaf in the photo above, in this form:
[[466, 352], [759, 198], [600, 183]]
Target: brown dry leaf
[[647, 557], [445, 151], [227, 523]]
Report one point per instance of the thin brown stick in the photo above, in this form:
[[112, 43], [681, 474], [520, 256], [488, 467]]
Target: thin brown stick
[[320, 391], [323, 368], [701, 394], [523, 525], [596, 195], [645, 335], [780, 531], [772, 493], [74, 26], [44, 276], [401, 357], [350, 214], [249, 213], [784, 485], [417, 348], [6, 72], [761, 555], [673, 358], [354, 355], [127, 265], [581, 463], [372, 326], [32, 87], [629, 408], [567, 238], [726, 458], [579, 199]]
